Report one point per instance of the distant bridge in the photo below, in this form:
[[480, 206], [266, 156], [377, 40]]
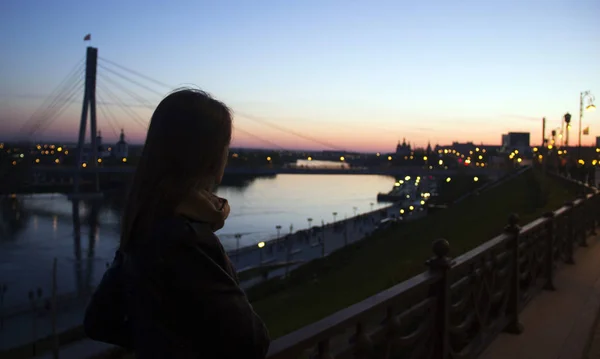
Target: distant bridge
[[266, 171]]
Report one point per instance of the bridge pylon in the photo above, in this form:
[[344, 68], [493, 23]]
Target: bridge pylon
[[89, 102]]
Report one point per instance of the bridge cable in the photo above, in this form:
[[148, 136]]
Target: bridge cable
[[124, 107], [64, 105], [126, 110], [53, 108], [136, 73], [237, 128], [57, 107], [108, 120], [132, 81], [253, 118], [54, 97], [58, 90], [112, 119], [286, 130], [136, 97]]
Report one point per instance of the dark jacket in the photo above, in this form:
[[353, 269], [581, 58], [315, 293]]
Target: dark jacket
[[181, 299]]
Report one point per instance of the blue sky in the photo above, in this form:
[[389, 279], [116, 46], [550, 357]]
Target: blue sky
[[357, 74]]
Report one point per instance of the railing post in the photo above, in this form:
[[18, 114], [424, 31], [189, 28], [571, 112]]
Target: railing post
[[570, 235], [513, 229], [440, 264], [549, 251], [582, 223], [590, 212]]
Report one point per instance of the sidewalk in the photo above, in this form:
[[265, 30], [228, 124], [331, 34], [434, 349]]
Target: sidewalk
[[558, 324]]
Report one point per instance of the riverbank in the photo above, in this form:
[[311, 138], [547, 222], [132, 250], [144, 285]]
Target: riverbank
[[370, 266]]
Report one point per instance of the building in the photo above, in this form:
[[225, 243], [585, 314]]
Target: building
[[102, 152], [121, 148], [598, 141], [403, 149], [516, 141]]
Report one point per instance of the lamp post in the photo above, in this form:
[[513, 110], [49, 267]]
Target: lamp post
[[260, 245], [590, 107], [567, 118], [354, 208], [334, 215], [237, 247], [278, 228], [323, 238], [288, 256], [309, 222]]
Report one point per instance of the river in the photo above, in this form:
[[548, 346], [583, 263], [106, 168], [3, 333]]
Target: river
[[36, 229]]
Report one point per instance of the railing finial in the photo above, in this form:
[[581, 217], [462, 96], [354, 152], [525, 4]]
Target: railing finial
[[440, 260]]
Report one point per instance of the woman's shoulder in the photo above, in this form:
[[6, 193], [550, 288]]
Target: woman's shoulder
[[179, 232]]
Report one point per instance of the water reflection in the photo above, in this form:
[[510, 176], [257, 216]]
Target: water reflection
[[13, 218], [84, 278]]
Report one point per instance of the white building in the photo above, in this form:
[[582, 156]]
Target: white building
[[121, 149]]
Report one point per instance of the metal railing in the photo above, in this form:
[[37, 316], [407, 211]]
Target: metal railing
[[458, 306]]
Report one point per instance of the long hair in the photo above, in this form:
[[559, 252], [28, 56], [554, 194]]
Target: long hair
[[185, 149]]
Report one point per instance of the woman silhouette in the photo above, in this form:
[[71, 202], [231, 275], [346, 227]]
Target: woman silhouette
[[172, 291]]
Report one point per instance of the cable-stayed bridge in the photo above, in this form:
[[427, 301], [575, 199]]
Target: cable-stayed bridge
[[112, 92]]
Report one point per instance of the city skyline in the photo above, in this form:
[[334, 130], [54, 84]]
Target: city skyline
[[350, 76]]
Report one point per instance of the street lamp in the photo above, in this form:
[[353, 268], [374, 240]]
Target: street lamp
[[260, 245], [354, 208], [334, 215], [371, 206], [309, 222], [590, 107], [278, 228], [567, 118]]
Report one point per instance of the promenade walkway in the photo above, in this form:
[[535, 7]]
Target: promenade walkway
[[560, 324]]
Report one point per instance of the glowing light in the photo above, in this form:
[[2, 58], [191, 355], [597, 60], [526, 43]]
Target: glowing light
[[57, 161], [411, 208], [269, 159], [342, 158], [475, 179], [261, 244], [389, 158], [448, 179], [424, 158], [407, 178], [84, 165], [99, 160], [422, 203], [124, 159], [535, 149], [402, 211], [59, 149], [309, 158]]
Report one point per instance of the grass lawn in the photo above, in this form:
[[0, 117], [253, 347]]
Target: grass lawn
[[363, 269]]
